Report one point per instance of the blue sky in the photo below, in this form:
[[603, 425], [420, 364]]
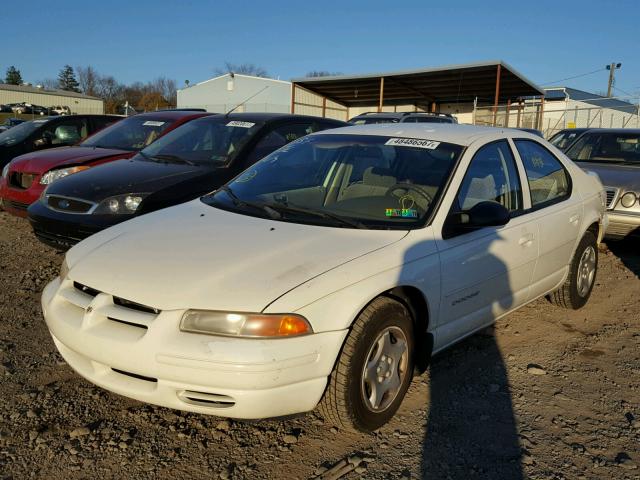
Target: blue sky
[[141, 39]]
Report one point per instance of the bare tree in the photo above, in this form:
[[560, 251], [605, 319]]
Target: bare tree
[[242, 69], [167, 88], [88, 79], [322, 73], [49, 83]]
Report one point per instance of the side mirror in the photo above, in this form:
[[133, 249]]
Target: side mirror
[[483, 214]]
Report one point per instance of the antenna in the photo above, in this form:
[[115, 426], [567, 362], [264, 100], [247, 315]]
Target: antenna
[[240, 104]]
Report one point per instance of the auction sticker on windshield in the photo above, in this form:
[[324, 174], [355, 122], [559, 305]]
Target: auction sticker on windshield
[[401, 212], [413, 142], [153, 123], [237, 123]]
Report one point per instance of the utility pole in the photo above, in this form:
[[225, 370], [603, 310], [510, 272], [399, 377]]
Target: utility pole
[[612, 68]]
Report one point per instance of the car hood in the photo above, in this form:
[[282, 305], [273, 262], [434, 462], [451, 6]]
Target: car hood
[[124, 176], [44, 160], [615, 175], [196, 256]]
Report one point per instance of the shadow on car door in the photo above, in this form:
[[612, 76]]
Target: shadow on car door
[[471, 429]]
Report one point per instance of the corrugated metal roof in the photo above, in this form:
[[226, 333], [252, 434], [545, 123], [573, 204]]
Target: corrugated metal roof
[[561, 93], [449, 83], [31, 89]]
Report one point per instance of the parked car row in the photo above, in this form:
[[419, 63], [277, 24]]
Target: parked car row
[[9, 123], [29, 108], [28, 175], [260, 265]]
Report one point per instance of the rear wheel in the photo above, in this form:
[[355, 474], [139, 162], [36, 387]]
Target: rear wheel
[[374, 369], [582, 275]]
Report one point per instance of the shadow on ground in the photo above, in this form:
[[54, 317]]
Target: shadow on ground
[[471, 431], [627, 250]]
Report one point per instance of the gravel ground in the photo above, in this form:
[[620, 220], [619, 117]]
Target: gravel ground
[[546, 394]]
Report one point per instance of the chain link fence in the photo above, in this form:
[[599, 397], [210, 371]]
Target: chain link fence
[[553, 116]]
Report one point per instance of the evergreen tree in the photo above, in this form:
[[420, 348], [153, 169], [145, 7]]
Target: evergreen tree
[[67, 80], [13, 76]]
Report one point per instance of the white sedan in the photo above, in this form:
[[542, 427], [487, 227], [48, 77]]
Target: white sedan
[[328, 272]]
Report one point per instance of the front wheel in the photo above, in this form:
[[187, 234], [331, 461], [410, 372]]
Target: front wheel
[[374, 369], [582, 275]]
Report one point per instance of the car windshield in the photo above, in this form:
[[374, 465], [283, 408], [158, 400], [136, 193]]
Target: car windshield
[[357, 181], [562, 140], [210, 141], [607, 147], [20, 132], [132, 134]]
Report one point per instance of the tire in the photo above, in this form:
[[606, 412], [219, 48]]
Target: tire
[[575, 292], [350, 401]]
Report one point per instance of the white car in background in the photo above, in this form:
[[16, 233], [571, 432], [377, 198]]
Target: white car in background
[[327, 271]]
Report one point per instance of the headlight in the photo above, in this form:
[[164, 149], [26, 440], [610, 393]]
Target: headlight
[[628, 199], [252, 325], [121, 204], [53, 175], [5, 171], [64, 269]]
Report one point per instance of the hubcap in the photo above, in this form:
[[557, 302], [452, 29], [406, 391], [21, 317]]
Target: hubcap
[[586, 271], [385, 369]]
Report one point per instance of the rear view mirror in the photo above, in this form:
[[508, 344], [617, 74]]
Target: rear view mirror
[[483, 214]]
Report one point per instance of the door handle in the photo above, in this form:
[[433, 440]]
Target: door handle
[[526, 240], [574, 219]]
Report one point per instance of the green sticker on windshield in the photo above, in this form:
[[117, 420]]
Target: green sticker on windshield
[[401, 212]]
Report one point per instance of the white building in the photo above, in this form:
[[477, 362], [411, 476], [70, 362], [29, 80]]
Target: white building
[[253, 94], [77, 102], [567, 107]]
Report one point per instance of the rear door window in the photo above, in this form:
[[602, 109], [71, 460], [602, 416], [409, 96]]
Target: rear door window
[[548, 180], [67, 132]]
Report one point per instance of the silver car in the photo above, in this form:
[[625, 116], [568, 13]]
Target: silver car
[[614, 155]]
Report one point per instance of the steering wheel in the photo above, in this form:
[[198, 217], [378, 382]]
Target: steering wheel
[[409, 186]]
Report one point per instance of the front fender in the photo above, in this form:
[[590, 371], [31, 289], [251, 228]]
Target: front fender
[[333, 300]]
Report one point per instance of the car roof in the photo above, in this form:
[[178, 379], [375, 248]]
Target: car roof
[[171, 114], [400, 115], [443, 132], [635, 131], [269, 117]]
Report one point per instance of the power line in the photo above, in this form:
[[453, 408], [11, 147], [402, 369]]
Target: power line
[[575, 76], [626, 93]]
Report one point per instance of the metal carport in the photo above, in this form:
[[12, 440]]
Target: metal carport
[[487, 83]]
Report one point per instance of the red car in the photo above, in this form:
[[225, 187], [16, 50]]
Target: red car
[[25, 177]]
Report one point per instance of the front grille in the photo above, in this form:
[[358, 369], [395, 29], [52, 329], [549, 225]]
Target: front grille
[[135, 306], [612, 194], [21, 180], [16, 205], [85, 289], [68, 205], [109, 314], [60, 242]]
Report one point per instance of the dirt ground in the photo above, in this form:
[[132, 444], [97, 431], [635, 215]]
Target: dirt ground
[[546, 394]]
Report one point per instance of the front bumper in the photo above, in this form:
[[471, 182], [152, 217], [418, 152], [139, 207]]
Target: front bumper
[[622, 225], [16, 201], [143, 355], [63, 230]]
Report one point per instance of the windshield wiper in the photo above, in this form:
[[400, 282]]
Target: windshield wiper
[[172, 159], [242, 203], [318, 213]]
